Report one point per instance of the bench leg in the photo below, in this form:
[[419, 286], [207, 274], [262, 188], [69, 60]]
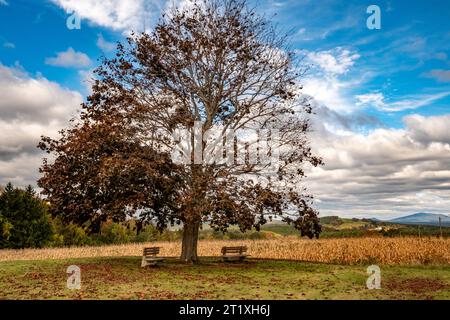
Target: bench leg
[[236, 258], [146, 263]]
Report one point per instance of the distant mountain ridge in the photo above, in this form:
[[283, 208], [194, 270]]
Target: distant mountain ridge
[[423, 218]]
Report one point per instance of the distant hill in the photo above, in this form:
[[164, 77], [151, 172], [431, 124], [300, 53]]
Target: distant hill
[[423, 218], [337, 227]]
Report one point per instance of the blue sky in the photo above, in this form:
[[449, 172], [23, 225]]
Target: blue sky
[[377, 92], [396, 61]]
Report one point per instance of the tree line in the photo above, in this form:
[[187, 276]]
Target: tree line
[[25, 222]]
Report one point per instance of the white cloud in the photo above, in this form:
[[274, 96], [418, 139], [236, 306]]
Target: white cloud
[[325, 80], [384, 173], [371, 99], [69, 59], [334, 62], [378, 101], [116, 14], [105, 45], [304, 35], [87, 79], [416, 101], [30, 107], [373, 172], [328, 91], [429, 129], [9, 45]]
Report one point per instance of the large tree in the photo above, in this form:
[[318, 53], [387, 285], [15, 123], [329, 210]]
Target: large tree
[[213, 66]]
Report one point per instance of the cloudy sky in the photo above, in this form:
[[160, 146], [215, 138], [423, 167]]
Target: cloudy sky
[[382, 97]]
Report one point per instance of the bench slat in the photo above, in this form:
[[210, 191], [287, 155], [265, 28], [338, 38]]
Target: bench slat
[[150, 256], [151, 251], [234, 249], [234, 252]]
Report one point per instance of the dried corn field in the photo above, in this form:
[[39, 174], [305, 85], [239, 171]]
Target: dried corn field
[[405, 250]]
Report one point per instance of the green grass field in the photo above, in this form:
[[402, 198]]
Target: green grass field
[[123, 278]]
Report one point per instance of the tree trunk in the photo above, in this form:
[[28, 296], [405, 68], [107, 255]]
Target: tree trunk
[[190, 239]]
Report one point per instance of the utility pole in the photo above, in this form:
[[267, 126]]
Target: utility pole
[[440, 226]]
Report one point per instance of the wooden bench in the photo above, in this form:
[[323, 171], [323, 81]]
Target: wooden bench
[[149, 257], [234, 253]]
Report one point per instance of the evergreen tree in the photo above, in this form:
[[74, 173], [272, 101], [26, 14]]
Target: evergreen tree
[[24, 221]]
